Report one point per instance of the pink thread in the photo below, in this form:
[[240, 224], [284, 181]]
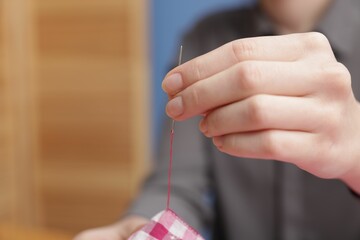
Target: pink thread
[[170, 169]]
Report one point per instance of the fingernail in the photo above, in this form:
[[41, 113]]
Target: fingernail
[[173, 83], [175, 107], [203, 126], [218, 141]]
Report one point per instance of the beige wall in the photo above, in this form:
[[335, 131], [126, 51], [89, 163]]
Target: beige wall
[[73, 110]]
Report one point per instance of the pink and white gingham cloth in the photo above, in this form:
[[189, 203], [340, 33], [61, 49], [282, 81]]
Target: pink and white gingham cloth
[[166, 225]]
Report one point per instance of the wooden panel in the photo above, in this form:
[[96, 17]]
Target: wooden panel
[[73, 110], [4, 168], [13, 232], [19, 84], [87, 102], [140, 111]]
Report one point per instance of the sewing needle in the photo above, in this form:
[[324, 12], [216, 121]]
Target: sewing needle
[[179, 63], [171, 148]]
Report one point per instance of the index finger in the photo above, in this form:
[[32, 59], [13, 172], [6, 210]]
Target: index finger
[[271, 48]]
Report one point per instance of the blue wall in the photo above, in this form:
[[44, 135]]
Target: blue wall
[[169, 20]]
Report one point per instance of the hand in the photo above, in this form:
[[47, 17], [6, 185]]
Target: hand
[[280, 97], [118, 231]]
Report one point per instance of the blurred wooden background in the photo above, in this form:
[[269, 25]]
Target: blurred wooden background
[[73, 110]]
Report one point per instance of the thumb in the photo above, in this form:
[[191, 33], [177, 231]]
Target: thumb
[[133, 224]]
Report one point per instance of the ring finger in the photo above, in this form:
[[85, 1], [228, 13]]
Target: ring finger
[[262, 112]]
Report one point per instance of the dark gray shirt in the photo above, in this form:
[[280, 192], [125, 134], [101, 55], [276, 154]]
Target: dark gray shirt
[[238, 198]]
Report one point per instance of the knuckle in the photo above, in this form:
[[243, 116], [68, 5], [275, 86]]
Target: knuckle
[[248, 75], [270, 146], [198, 69], [194, 96], [342, 79], [243, 48], [315, 41], [257, 111], [338, 78]]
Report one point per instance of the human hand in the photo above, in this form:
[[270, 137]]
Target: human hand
[[280, 97], [118, 231]]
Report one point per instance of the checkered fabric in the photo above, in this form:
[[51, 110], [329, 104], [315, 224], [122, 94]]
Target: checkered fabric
[[166, 225]]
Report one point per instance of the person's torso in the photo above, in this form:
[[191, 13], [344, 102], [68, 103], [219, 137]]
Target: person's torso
[[263, 199]]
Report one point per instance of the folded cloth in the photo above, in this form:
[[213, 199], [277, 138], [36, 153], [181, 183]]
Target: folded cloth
[[166, 225]]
